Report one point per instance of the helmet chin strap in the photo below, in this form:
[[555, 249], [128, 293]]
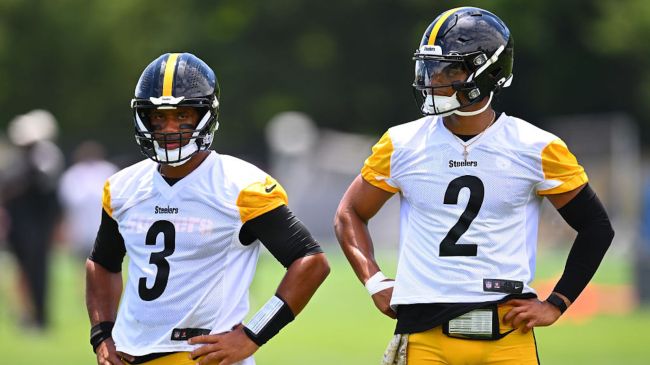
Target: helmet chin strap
[[185, 152], [474, 112], [450, 102]]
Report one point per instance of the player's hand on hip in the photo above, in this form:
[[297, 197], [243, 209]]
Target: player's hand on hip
[[382, 302], [224, 348], [107, 355], [529, 313]]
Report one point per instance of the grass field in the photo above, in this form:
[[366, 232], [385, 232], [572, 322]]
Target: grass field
[[339, 327]]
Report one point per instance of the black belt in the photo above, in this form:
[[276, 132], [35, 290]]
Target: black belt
[[178, 334], [148, 357]]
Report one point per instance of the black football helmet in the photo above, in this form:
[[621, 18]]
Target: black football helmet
[[170, 81], [467, 41]]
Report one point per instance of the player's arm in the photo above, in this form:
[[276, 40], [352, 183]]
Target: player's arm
[[584, 212], [104, 288], [360, 203], [291, 244]]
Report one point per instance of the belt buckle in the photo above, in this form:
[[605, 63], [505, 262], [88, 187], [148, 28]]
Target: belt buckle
[[477, 323]]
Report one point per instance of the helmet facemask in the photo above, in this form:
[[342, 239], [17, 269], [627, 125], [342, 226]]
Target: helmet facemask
[[191, 141], [460, 73]]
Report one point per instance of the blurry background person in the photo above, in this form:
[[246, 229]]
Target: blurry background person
[[32, 208], [80, 193]]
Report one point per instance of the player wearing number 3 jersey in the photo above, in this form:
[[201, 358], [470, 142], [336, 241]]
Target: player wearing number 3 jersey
[[471, 182], [191, 221]]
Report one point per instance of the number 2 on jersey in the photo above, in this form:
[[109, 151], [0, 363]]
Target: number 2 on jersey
[[449, 245], [158, 259]]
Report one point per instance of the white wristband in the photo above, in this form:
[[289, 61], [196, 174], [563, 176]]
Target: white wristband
[[262, 318], [376, 283]]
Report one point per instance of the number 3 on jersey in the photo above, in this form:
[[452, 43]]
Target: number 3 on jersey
[[158, 259], [449, 245]]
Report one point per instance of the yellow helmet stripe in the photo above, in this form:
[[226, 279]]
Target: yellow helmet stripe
[[170, 68], [436, 27]]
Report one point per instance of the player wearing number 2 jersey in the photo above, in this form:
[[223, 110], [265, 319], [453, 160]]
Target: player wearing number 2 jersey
[[191, 221], [471, 182]]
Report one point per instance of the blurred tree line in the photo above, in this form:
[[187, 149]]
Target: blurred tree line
[[347, 63]]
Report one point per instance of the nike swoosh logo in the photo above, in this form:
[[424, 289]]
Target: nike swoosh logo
[[270, 188]]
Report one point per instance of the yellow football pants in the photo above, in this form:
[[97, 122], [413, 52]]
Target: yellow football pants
[[434, 347]]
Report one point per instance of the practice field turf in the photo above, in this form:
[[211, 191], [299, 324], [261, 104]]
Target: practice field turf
[[339, 327]]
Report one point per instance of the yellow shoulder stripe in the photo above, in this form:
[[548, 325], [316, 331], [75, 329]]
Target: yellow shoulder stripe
[[561, 166], [376, 169], [106, 199], [259, 198]]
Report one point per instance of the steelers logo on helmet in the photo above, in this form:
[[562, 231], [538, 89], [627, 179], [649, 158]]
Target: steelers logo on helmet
[[465, 55], [171, 81]]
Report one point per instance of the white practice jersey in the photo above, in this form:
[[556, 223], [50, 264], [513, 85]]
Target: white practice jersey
[[187, 268], [469, 227]]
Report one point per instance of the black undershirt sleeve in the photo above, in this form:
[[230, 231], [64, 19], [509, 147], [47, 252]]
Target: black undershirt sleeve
[[109, 249], [284, 235], [586, 214]]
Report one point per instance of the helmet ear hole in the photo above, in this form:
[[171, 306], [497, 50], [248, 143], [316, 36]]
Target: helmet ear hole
[[496, 73]]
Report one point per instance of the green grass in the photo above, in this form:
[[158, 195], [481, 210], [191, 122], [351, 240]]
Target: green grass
[[67, 341], [339, 326]]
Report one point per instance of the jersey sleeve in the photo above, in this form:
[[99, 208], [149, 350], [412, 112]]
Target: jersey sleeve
[[376, 169], [260, 197], [561, 170]]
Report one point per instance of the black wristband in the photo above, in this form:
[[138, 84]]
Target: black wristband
[[269, 320], [99, 333], [557, 302]]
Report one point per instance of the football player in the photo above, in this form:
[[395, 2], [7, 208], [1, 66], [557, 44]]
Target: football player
[[471, 182], [191, 221]]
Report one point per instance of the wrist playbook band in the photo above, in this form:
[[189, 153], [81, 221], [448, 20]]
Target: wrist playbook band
[[99, 333], [557, 302], [269, 320], [376, 283]]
